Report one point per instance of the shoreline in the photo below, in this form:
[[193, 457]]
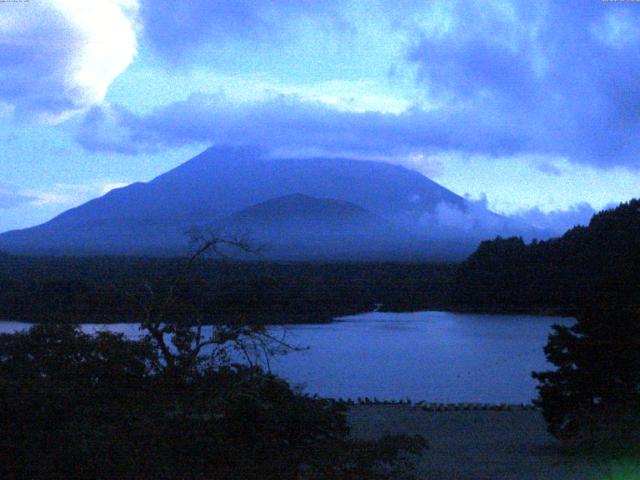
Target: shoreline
[[308, 318], [476, 445], [534, 310], [425, 406]]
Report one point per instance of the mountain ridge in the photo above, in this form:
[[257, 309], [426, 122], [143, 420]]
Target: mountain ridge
[[152, 217]]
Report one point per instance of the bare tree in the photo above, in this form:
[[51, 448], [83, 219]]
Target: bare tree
[[184, 345]]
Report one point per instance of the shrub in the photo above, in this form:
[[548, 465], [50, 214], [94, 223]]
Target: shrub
[[593, 396], [100, 406]]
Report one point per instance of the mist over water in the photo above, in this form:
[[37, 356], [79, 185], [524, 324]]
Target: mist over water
[[431, 356]]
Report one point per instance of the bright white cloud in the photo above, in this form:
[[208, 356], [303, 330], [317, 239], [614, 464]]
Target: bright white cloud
[[476, 219], [58, 57], [69, 195]]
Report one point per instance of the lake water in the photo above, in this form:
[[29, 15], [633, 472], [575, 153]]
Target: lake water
[[431, 356]]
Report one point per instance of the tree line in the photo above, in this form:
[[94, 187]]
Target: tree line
[[104, 289], [594, 264], [174, 404]]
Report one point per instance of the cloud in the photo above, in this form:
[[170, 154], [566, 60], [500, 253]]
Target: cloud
[[563, 75], [548, 79], [476, 220], [549, 169], [473, 220], [58, 57], [72, 194], [286, 122], [112, 128], [556, 221], [174, 27], [430, 166], [10, 197]]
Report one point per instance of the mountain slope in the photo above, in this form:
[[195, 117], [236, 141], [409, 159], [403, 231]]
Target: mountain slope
[[152, 217], [221, 181], [302, 212], [301, 227]]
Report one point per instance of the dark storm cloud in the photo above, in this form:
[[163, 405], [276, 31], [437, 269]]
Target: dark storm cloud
[[289, 122], [568, 70], [545, 78]]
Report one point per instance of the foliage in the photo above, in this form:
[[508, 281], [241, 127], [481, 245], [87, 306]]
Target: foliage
[[600, 262], [593, 396], [172, 405], [107, 289], [75, 405]]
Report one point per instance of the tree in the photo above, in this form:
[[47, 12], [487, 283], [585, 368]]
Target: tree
[[173, 404], [181, 343], [594, 393], [66, 399]]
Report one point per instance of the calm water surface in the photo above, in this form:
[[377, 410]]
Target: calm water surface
[[432, 356]]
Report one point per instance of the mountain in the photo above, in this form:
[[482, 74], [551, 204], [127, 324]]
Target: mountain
[[299, 211], [297, 226], [151, 218]]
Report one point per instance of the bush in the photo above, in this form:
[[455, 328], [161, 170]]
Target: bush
[[100, 406], [594, 394]]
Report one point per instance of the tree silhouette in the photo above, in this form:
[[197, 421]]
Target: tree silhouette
[[595, 390], [172, 404]]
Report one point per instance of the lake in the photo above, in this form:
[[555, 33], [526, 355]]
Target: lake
[[431, 356]]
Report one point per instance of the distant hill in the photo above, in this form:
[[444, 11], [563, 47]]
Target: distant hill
[[298, 226], [298, 207], [596, 263], [152, 218]]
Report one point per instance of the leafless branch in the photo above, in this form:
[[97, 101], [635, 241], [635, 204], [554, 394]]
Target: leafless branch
[[181, 345]]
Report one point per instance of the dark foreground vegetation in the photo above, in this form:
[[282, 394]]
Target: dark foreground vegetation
[[103, 407], [592, 399], [175, 405]]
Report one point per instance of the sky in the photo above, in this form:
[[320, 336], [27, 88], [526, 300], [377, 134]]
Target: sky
[[529, 108]]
